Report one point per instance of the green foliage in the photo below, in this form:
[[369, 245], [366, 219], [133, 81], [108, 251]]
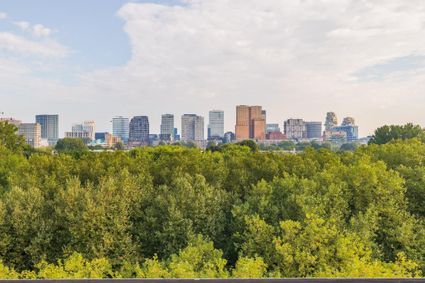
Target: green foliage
[[235, 211], [69, 145], [386, 134], [9, 138]]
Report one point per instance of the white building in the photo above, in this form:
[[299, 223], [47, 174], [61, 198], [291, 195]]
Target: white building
[[86, 130]]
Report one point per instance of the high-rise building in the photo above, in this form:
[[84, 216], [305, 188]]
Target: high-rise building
[[121, 128], [314, 130], [295, 129], [250, 123], [216, 124], [192, 128], [139, 131], [31, 132], [49, 127], [167, 127], [331, 121]]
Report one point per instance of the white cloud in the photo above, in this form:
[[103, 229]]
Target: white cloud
[[37, 30], [18, 44], [40, 30], [294, 57], [3, 15], [23, 25]]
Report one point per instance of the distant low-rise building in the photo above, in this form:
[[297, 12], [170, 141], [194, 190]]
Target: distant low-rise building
[[106, 139], [31, 132], [85, 131], [295, 129], [314, 130], [229, 137], [352, 132]]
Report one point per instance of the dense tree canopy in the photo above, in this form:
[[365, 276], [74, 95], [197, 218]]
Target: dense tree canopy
[[386, 134], [235, 211]]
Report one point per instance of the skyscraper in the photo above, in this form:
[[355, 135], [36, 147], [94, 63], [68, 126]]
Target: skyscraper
[[167, 127], [192, 127], [295, 129], [216, 124], [121, 128], [250, 122], [139, 131], [49, 127], [331, 121]]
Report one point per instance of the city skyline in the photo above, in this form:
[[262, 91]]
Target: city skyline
[[295, 58]]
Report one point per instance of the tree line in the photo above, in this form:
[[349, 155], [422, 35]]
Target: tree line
[[231, 211]]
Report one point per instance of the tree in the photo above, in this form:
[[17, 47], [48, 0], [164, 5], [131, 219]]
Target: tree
[[249, 143], [9, 138], [348, 146], [386, 134], [119, 146], [69, 145], [287, 145]]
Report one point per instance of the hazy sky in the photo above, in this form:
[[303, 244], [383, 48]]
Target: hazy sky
[[94, 59]]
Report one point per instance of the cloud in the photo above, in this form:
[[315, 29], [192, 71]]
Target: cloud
[[3, 15], [17, 44], [37, 30], [297, 58]]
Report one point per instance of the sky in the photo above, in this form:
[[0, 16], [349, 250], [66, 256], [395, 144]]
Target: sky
[[93, 60]]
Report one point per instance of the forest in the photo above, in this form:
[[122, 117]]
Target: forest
[[229, 211]]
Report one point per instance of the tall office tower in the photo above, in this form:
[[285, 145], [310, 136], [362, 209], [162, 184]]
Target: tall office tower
[[295, 129], [49, 127], [348, 121], [242, 122], [192, 127], [314, 130], [250, 123], [121, 128], [139, 131], [216, 124], [167, 127], [331, 121], [31, 132]]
